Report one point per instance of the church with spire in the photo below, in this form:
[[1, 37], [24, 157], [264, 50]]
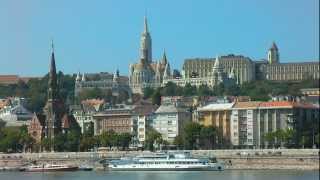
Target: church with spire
[[55, 118], [148, 72]]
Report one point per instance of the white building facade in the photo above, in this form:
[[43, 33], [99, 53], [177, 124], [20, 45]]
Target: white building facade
[[169, 120]]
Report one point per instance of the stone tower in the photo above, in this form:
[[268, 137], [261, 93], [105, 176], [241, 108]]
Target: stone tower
[[273, 54], [146, 44], [54, 108], [217, 72]]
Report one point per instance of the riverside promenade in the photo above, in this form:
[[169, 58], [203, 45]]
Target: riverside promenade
[[304, 159]]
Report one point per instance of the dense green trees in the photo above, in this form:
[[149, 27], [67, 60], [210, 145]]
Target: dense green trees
[[111, 139], [36, 90], [257, 90], [13, 139], [196, 136], [280, 138]]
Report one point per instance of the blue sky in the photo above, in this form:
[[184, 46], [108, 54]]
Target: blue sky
[[102, 35]]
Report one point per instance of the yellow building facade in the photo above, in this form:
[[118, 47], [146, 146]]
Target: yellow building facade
[[218, 116]]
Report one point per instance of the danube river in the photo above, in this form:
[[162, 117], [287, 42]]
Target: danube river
[[205, 175]]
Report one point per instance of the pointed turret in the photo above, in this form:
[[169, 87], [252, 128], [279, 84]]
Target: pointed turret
[[145, 44], [167, 72], [274, 46], [273, 54], [78, 78], [232, 74], [145, 29], [217, 68], [83, 77], [217, 72], [164, 58]]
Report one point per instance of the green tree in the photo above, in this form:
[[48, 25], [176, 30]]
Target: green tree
[[148, 92], [152, 137], [189, 90], [317, 139], [270, 138], [108, 139], [124, 140], [45, 144], [2, 126], [10, 140], [72, 140], [179, 141], [207, 137], [204, 90], [156, 97], [232, 90], [60, 142], [87, 143], [219, 90], [171, 89], [25, 140], [192, 135]]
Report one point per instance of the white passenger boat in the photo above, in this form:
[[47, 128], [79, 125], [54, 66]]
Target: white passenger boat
[[50, 167], [165, 162]]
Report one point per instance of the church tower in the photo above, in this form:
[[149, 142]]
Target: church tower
[[273, 54], [145, 45], [54, 107]]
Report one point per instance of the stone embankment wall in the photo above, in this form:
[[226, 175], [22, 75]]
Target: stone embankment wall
[[307, 159]]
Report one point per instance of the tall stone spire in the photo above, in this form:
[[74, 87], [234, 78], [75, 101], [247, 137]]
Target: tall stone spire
[[217, 68], [167, 72], [145, 44], [164, 58], [145, 30], [52, 83], [54, 106]]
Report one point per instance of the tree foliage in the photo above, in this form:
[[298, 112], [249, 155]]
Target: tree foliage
[[257, 90], [196, 136], [153, 138]]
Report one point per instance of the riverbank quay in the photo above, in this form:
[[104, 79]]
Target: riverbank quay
[[246, 159]]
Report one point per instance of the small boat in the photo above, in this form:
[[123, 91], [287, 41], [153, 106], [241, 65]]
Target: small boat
[[165, 162], [50, 167], [85, 168]]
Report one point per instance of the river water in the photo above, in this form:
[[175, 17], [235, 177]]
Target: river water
[[204, 175]]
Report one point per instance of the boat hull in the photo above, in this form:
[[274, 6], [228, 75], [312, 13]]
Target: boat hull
[[165, 169], [216, 167], [73, 168]]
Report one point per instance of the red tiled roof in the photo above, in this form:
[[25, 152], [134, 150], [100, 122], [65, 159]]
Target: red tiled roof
[[288, 104], [276, 104], [249, 104], [14, 79], [9, 79]]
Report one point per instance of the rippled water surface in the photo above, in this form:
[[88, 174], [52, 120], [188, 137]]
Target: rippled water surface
[[213, 175]]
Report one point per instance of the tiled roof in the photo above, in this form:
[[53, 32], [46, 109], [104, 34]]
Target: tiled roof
[[170, 108], [13, 79], [9, 79], [216, 106], [249, 104], [286, 104], [144, 109]]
